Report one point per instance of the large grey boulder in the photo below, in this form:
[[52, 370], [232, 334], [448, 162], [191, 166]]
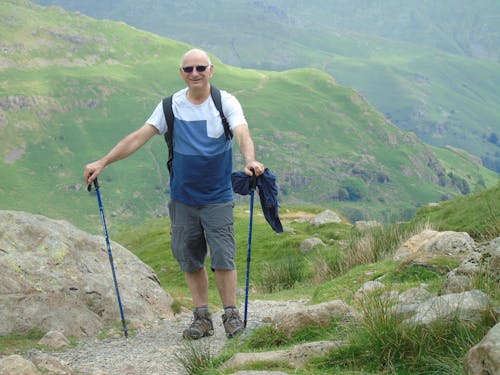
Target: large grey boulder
[[484, 358], [57, 277]]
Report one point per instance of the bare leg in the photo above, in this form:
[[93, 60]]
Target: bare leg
[[197, 282], [226, 281]]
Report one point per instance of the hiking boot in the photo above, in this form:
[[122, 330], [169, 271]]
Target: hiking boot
[[232, 322], [201, 326]]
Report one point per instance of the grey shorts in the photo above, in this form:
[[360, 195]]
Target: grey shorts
[[198, 228]]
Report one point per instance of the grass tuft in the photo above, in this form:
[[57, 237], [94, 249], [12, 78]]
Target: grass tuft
[[281, 274], [196, 358]]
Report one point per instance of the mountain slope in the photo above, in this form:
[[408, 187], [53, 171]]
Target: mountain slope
[[71, 87], [431, 67]]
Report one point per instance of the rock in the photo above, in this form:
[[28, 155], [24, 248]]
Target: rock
[[491, 258], [456, 283], [17, 365], [57, 277], [467, 306], [52, 365], [471, 264], [290, 230], [414, 295], [292, 320], [310, 243], [54, 339], [297, 356], [326, 217], [368, 288], [484, 358], [432, 243], [362, 225], [256, 372]]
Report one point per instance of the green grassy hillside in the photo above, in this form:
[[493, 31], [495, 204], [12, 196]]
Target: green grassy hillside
[[71, 87], [432, 67]]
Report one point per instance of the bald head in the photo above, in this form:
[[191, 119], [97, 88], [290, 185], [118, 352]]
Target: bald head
[[195, 53]]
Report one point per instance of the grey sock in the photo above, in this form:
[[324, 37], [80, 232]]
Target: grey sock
[[202, 309]]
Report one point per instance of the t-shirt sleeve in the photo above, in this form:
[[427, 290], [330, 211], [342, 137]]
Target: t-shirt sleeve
[[157, 119], [232, 110]]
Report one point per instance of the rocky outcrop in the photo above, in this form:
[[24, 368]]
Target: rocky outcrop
[[57, 277]]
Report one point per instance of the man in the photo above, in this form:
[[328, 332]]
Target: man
[[201, 201]]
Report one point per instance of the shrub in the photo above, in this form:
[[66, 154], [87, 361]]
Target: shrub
[[282, 274]]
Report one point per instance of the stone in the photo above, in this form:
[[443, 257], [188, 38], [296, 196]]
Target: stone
[[294, 319], [51, 365], [297, 356], [430, 242], [263, 372], [326, 217], [466, 306], [54, 339], [310, 243], [414, 295], [456, 283], [484, 358], [363, 225], [57, 277], [368, 288], [17, 365]]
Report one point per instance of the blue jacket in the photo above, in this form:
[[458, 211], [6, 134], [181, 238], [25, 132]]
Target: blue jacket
[[268, 193]]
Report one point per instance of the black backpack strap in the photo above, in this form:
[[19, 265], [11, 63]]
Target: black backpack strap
[[169, 135], [216, 97]]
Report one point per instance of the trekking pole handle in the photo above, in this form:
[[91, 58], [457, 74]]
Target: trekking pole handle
[[253, 181], [96, 185]]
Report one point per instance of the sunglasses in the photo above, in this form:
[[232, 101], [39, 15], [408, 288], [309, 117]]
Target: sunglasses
[[199, 68]]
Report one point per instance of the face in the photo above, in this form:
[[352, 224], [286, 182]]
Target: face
[[196, 69]]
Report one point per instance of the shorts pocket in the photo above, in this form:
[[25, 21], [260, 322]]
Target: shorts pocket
[[178, 243]]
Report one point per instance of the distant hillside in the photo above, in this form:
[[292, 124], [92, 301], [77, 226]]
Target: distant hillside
[[71, 87], [432, 67]]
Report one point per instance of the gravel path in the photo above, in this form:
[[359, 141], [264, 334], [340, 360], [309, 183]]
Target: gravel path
[[154, 350]]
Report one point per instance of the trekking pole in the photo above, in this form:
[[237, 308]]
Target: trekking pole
[[110, 255], [253, 185]]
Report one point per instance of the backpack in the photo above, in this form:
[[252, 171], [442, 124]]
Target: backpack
[[169, 117]]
